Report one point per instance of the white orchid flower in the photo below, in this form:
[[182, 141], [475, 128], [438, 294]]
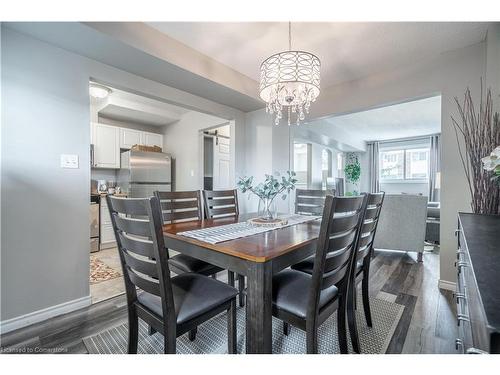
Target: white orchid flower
[[492, 162]]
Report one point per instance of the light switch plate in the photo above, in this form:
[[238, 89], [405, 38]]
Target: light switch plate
[[69, 161]]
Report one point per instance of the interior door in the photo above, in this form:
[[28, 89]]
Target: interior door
[[222, 163]]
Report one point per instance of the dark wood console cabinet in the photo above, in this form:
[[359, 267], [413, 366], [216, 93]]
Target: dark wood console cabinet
[[478, 283]]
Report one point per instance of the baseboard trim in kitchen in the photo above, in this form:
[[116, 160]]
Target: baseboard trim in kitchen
[[447, 285], [43, 314]]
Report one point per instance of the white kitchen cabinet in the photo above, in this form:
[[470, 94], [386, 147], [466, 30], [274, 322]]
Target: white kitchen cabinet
[[106, 140], [152, 139], [130, 137], [107, 235]]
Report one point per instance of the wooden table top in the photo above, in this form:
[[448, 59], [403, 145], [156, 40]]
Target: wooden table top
[[257, 248]]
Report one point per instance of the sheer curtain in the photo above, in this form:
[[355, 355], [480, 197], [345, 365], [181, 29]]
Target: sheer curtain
[[373, 172], [434, 166]]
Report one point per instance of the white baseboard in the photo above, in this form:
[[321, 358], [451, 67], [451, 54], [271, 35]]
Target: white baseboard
[[44, 314], [447, 285]]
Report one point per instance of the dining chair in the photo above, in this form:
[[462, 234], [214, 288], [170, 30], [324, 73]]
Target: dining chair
[[178, 206], [224, 203], [310, 202], [361, 269], [306, 300], [171, 305]]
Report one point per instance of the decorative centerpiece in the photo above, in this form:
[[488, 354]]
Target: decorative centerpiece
[[267, 191]]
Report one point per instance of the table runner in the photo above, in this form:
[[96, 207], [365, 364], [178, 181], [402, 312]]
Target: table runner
[[238, 230]]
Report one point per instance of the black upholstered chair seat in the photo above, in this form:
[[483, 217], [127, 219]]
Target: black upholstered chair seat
[[305, 266], [194, 295], [185, 263], [291, 292]]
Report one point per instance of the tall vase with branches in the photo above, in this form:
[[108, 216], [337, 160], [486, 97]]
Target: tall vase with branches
[[479, 129]]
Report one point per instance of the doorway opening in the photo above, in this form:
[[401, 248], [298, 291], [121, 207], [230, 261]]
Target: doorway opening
[[139, 145], [217, 158]]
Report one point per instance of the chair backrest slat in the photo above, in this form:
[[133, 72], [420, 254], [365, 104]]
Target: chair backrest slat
[[137, 224], [310, 202], [334, 277], [220, 203], [337, 259], [134, 226], [179, 205], [340, 242], [137, 207], [150, 286], [145, 266], [137, 246]]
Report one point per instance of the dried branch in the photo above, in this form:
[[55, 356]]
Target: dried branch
[[477, 134]]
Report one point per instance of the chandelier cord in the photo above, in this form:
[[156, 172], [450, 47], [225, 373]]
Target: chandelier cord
[[289, 35]]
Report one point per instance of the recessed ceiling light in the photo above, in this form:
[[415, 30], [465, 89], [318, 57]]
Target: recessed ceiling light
[[99, 92]]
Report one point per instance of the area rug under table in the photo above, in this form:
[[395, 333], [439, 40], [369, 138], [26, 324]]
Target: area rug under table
[[212, 335], [100, 271]]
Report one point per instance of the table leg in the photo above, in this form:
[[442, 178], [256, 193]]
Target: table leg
[[259, 308]]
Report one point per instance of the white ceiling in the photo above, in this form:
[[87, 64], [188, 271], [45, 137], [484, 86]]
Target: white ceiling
[[347, 51], [125, 106], [410, 119]]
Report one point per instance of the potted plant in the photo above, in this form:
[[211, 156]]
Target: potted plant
[[352, 172], [268, 190]]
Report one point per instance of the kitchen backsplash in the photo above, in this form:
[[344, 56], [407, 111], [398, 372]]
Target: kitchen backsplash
[[103, 174]]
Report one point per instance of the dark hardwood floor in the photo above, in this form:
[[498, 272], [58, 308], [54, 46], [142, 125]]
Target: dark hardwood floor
[[427, 326]]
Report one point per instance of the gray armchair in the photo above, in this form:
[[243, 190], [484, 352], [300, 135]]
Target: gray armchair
[[402, 224]]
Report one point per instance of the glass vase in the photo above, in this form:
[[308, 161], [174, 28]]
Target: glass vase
[[267, 209]]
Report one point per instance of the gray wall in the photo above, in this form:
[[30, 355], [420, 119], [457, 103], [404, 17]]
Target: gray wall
[[45, 209]]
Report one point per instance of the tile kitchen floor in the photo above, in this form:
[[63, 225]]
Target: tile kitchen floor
[[109, 288]]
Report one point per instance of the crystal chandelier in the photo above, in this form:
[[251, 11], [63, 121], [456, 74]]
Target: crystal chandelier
[[289, 82]]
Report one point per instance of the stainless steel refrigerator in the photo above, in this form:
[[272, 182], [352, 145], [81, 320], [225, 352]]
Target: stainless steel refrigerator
[[141, 173]]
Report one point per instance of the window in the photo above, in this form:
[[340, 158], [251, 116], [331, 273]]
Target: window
[[417, 164], [326, 163], [340, 164], [301, 163], [408, 164]]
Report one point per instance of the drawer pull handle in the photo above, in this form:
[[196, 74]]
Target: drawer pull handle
[[475, 351], [459, 344], [459, 296], [462, 318]]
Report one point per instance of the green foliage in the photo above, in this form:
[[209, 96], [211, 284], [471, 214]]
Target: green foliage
[[353, 171], [271, 187]]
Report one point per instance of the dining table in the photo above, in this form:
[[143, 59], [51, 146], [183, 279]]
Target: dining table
[[258, 257]]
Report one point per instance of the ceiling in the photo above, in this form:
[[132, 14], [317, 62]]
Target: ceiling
[[410, 119], [125, 106], [347, 51], [96, 44]]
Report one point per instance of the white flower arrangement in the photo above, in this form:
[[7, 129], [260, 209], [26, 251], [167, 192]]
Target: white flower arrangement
[[492, 163]]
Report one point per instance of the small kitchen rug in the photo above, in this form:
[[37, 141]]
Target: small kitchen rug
[[100, 272], [212, 335]]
